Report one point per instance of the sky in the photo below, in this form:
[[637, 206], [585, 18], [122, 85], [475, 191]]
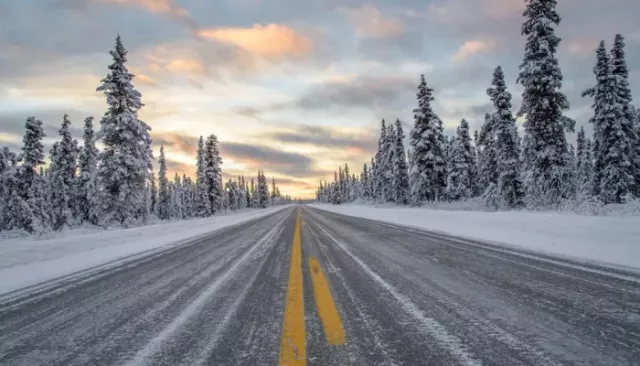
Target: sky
[[294, 87]]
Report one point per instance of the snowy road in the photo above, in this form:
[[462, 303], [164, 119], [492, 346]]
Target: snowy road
[[306, 286]]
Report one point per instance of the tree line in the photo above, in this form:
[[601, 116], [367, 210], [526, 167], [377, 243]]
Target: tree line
[[504, 170], [115, 185]]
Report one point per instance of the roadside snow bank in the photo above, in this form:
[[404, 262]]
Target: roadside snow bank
[[28, 261], [612, 240]]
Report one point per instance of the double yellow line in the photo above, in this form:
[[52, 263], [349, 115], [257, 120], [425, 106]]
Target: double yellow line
[[292, 346]]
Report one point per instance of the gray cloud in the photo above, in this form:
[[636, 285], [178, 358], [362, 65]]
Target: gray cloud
[[326, 137], [379, 92]]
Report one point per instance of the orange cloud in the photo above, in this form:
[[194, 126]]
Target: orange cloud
[[470, 48], [187, 66], [270, 41], [370, 23], [167, 7]]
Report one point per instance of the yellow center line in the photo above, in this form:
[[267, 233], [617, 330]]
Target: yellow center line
[[292, 346], [326, 306]]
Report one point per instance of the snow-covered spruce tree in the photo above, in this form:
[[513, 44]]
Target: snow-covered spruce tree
[[125, 161], [428, 178], [543, 104], [164, 199], [386, 169], [254, 193], [87, 189], [487, 156], [366, 184], [614, 181], [274, 191], [153, 192], [175, 205], [509, 184], [202, 202], [63, 177], [379, 157], [213, 173], [263, 188], [400, 172], [26, 180], [620, 72], [584, 163], [459, 185], [335, 190], [12, 203]]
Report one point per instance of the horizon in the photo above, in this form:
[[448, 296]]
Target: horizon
[[294, 90]]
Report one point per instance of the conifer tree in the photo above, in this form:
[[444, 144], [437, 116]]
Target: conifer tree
[[614, 180], [509, 184], [459, 184], [26, 180], [366, 185], [627, 118], [213, 173], [125, 161], [400, 172], [488, 156], [428, 178], [87, 190], [543, 104], [164, 199], [63, 177]]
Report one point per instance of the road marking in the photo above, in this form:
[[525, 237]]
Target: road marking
[[326, 306], [292, 346]]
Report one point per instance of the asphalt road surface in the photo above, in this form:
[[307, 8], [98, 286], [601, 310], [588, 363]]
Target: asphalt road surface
[[308, 287]]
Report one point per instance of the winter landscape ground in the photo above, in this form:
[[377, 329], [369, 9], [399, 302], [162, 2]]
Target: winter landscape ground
[[204, 224]]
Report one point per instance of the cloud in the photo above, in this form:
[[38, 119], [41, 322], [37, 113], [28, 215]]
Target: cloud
[[327, 137], [359, 92], [470, 48], [272, 41], [369, 22], [176, 142], [187, 66], [166, 7]]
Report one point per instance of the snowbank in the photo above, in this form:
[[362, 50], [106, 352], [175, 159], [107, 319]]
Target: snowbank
[[28, 261], [612, 240]]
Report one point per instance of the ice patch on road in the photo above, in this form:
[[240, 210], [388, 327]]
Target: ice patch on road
[[436, 330]]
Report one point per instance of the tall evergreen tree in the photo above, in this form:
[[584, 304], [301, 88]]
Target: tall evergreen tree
[[584, 164], [614, 179], [543, 103], [487, 155], [620, 72], [202, 202], [377, 181], [509, 184], [63, 177], [400, 172], [30, 217], [213, 173], [366, 185], [263, 191], [164, 198], [428, 178], [459, 183], [125, 161], [87, 190]]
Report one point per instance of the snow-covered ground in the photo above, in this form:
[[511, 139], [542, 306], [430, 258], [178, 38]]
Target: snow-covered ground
[[29, 261], [610, 240]]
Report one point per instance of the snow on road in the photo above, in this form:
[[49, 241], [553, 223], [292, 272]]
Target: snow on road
[[29, 261], [611, 240]]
